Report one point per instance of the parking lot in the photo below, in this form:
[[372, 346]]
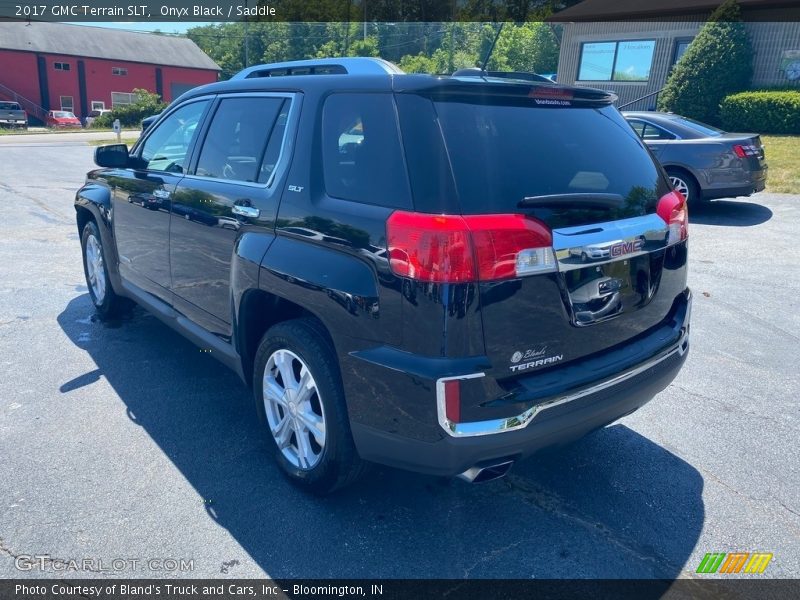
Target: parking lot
[[123, 441]]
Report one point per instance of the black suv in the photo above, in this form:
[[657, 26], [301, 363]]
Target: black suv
[[443, 274]]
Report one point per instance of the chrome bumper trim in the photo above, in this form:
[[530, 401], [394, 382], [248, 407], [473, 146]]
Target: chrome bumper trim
[[494, 426]]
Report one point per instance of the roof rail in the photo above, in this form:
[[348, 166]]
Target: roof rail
[[519, 75], [350, 65]]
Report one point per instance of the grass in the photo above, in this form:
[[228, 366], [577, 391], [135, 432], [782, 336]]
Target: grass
[[127, 141], [783, 158], [40, 130]]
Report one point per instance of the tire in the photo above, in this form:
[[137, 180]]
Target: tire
[[105, 300], [686, 184], [308, 433]]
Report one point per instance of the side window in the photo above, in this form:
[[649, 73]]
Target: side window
[[244, 140], [651, 132], [638, 127], [361, 155], [166, 148]]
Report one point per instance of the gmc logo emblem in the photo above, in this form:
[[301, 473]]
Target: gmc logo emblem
[[627, 247]]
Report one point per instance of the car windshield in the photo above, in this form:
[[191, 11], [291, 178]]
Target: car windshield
[[62, 114], [703, 128], [9, 106]]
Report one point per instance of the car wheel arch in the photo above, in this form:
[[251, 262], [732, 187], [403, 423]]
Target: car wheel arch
[[258, 311]]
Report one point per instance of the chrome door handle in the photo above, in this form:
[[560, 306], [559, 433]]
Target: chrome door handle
[[246, 211]]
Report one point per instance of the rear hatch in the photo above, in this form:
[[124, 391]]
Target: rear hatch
[[575, 165]]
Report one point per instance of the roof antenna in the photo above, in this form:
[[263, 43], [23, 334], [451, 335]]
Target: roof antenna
[[491, 48]]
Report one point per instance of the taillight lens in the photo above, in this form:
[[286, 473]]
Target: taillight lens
[[745, 150], [457, 249], [672, 208]]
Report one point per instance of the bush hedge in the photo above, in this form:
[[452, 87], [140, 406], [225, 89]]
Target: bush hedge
[[762, 112], [717, 63], [131, 115]]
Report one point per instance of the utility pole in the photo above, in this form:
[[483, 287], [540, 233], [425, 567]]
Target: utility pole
[[365, 19], [246, 39]]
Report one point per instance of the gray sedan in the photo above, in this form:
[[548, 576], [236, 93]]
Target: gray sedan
[[702, 162]]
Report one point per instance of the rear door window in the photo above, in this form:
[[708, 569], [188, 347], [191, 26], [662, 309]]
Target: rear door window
[[361, 154], [649, 132]]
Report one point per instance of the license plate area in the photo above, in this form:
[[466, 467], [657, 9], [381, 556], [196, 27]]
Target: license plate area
[[610, 269]]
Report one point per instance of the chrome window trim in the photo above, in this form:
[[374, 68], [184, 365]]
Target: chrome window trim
[[495, 426]]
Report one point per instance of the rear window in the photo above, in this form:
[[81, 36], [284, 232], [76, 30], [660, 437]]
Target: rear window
[[503, 153], [9, 106], [699, 127]]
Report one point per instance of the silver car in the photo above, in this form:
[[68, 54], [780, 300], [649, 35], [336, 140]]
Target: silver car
[[702, 162]]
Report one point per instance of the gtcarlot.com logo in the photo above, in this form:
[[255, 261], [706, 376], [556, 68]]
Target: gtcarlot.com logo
[[45, 562], [734, 562]]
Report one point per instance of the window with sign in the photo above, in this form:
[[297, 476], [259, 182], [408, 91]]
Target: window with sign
[[628, 60]]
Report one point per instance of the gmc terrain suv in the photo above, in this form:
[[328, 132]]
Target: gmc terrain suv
[[394, 262]]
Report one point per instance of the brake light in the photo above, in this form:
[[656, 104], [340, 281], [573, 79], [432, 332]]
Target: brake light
[[458, 249], [745, 150], [673, 210]]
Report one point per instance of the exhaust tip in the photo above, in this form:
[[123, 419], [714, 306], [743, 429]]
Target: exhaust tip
[[491, 472]]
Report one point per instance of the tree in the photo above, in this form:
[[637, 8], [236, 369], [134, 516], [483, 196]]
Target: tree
[[131, 115], [718, 62]]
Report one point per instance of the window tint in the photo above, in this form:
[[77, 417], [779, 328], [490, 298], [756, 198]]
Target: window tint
[[362, 159], [648, 131], [503, 153], [236, 146], [703, 128], [166, 148]]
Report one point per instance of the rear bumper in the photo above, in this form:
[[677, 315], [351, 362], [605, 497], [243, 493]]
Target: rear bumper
[[553, 420], [749, 183]]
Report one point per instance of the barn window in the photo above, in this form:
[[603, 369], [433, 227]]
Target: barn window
[[67, 103], [122, 98], [61, 66], [119, 71]]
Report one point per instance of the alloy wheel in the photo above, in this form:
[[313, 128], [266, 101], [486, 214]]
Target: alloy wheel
[[294, 409], [680, 185], [95, 272]]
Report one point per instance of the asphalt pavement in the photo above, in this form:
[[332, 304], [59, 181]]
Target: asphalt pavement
[[123, 441]]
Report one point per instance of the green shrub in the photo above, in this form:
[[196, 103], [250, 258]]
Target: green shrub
[[131, 115], [762, 112], [718, 62]]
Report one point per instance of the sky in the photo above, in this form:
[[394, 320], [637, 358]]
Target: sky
[[166, 27]]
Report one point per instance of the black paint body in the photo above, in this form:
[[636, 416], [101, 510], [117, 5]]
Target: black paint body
[[221, 279]]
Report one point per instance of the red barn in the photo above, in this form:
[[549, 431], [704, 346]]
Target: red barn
[[54, 66]]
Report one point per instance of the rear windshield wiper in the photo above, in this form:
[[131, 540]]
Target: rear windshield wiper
[[572, 201]]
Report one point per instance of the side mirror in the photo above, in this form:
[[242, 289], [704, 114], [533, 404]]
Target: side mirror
[[114, 156]]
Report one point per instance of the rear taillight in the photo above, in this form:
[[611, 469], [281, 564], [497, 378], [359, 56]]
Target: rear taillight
[[672, 208], [457, 249], [745, 150]]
